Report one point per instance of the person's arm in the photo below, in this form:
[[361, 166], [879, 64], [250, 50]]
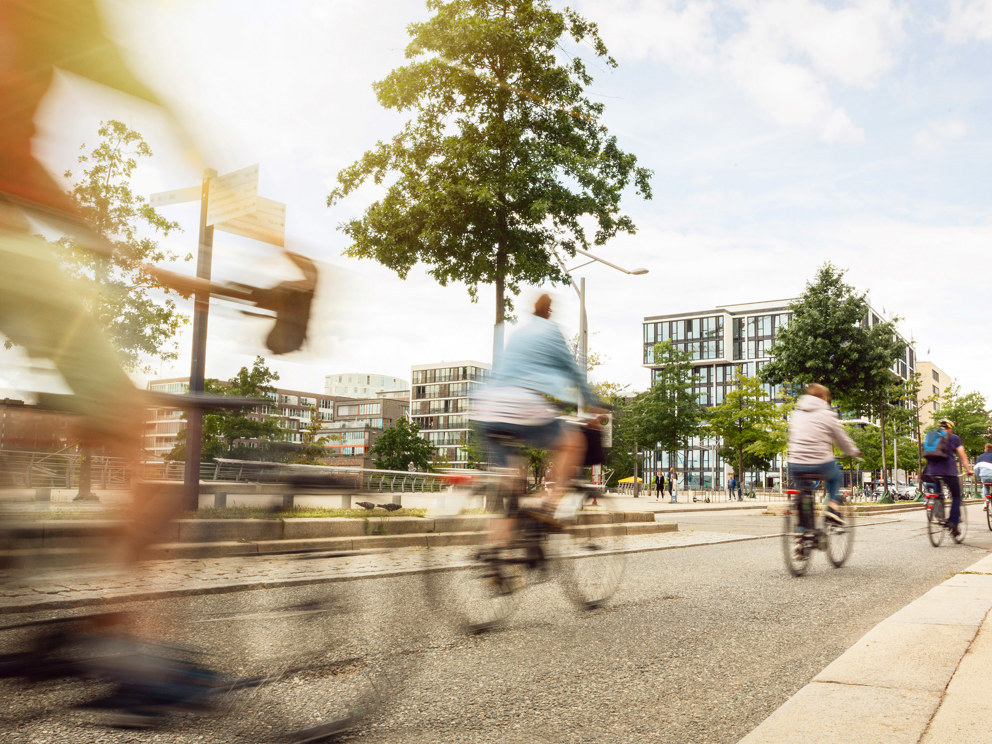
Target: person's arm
[[963, 458], [842, 438]]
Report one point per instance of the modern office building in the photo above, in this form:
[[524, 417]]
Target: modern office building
[[723, 341], [439, 402], [357, 423], [934, 383], [362, 385]]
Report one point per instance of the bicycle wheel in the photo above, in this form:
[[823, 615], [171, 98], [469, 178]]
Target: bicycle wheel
[[794, 546], [840, 538], [589, 555], [935, 521], [962, 524], [988, 513]]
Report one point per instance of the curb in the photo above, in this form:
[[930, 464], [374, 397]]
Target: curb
[[894, 688]]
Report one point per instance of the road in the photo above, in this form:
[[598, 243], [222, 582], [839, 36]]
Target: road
[[699, 645]]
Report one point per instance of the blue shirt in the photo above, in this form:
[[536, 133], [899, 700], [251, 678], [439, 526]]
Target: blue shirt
[[984, 457], [537, 358], [947, 466]]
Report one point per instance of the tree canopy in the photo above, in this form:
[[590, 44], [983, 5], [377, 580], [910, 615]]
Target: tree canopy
[[140, 320], [970, 415], [830, 340], [668, 414], [401, 444], [751, 427], [504, 161]]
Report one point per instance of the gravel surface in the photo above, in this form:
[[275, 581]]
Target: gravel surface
[[698, 645]]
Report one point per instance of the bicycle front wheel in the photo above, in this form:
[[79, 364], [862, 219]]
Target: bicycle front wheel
[[794, 547], [840, 538], [988, 513], [935, 521], [589, 555]]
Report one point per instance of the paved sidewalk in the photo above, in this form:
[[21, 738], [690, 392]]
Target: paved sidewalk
[[918, 677], [56, 589]]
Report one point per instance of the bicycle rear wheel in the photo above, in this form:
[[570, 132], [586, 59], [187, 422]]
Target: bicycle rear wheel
[[794, 546], [935, 521], [988, 513], [840, 538], [589, 555]]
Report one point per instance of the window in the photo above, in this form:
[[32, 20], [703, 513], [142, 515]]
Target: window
[[649, 333]]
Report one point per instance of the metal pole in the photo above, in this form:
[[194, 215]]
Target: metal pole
[[583, 337], [201, 305], [637, 483]]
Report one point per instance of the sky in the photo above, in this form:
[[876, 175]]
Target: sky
[[781, 134]]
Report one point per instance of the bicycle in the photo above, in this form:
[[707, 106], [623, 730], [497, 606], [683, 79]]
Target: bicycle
[[478, 587], [805, 530], [937, 519]]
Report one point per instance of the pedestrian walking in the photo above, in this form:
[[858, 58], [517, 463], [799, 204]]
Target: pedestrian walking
[[659, 486], [731, 486], [672, 484]]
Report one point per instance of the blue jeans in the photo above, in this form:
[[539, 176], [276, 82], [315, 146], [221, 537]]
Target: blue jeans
[[828, 472]]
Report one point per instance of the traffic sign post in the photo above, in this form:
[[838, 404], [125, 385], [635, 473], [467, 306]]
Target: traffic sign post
[[230, 203]]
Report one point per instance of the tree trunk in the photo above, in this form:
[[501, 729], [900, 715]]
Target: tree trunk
[[885, 462]]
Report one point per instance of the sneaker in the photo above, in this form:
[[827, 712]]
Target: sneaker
[[798, 549], [953, 529], [834, 517]]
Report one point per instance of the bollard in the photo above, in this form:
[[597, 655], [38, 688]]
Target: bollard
[[220, 500]]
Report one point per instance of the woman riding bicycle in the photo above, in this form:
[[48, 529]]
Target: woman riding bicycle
[[813, 430], [521, 405]]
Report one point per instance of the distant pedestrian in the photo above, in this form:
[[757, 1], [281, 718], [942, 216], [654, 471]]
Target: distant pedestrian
[[731, 486], [672, 484], [659, 485]]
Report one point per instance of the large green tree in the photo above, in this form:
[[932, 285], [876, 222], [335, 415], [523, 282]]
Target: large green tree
[[504, 161], [140, 317], [400, 445], [970, 414], [830, 339], [749, 425], [668, 414]]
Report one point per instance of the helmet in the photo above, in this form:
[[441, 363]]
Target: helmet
[[947, 424]]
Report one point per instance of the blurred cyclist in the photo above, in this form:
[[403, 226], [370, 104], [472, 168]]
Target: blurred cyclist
[[944, 471], [983, 469], [814, 428], [521, 405]]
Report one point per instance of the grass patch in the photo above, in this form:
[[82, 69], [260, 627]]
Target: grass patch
[[257, 512]]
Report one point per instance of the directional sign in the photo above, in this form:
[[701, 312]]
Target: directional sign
[[234, 206], [267, 223], [232, 195]]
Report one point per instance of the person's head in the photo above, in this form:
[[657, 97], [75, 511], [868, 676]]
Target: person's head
[[947, 424], [542, 308], [988, 447], [818, 391]]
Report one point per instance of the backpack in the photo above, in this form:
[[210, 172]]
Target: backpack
[[936, 445]]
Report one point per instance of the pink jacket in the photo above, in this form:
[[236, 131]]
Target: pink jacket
[[813, 429]]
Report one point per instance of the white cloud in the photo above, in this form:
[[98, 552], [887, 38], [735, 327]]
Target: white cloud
[[969, 19], [939, 131]]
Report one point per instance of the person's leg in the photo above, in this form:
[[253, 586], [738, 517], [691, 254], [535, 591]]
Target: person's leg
[[954, 487], [569, 454]]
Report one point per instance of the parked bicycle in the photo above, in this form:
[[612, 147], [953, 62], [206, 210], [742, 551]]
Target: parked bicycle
[[807, 529], [478, 587], [936, 509]]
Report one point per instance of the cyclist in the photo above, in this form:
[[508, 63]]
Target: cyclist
[[521, 405], [813, 430], [983, 469], [944, 471]]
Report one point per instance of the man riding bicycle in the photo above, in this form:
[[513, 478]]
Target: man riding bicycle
[[942, 470], [983, 469], [521, 405], [813, 429]]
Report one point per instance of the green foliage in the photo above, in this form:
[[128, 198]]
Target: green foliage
[[751, 427], [537, 463], [140, 319], [504, 160], [971, 418], [312, 451], [401, 444], [827, 341], [226, 431], [668, 414]]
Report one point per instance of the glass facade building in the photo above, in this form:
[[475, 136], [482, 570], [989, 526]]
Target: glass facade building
[[723, 342], [439, 400]]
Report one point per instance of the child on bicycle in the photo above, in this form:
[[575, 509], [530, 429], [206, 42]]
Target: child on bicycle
[[813, 429]]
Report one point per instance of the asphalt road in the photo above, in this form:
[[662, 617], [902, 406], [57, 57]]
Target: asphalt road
[[699, 645]]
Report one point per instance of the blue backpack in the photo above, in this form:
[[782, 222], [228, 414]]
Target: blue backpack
[[936, 445]]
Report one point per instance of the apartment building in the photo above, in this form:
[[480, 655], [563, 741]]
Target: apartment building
[[439, 401], [363, 385], [357, 423], [934, 383]]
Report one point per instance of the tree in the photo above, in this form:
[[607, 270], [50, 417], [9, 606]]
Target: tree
[[667, 415], [749, 425], [504, 161], [830, 340], [140, 318], [400, 445], [312, 450], [226, 431], [971, 418]]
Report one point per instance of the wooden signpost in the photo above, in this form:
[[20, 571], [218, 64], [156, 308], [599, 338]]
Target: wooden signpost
[[229, 203]]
